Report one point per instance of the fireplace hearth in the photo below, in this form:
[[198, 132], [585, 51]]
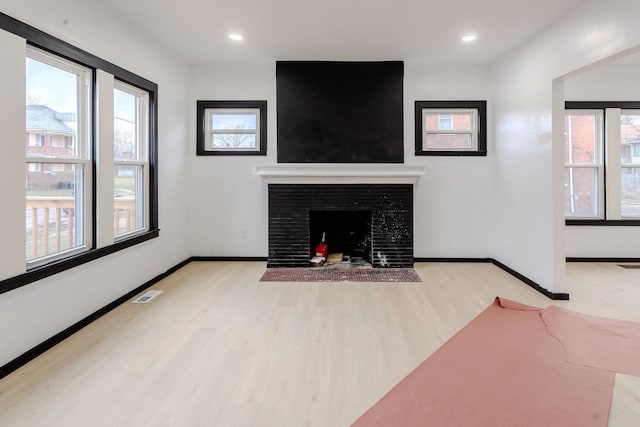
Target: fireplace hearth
[[372, 221]]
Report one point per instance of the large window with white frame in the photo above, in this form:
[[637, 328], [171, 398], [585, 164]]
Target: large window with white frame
[[602, 163], [58, 176], [90, 157]]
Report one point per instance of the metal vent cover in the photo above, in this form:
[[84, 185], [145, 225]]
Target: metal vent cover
[[146, 297]]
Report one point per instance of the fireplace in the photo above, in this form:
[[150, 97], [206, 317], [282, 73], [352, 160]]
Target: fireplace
[[376, 219]]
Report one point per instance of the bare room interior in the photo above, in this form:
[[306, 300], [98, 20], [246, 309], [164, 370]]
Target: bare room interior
[[166, 218]]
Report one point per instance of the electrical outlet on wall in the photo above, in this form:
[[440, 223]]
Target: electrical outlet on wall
[[244, 233]]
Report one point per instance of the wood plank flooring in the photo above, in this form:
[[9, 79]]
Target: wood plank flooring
[[220, 348]]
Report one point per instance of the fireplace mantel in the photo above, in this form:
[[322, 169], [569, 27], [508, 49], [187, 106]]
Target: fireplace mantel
[[339, 173]]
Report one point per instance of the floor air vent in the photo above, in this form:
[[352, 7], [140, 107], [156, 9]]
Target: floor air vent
[[146, 297], [630, 266]]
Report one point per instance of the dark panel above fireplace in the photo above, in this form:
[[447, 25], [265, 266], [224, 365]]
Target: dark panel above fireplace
[[391, 207], [340, 112]]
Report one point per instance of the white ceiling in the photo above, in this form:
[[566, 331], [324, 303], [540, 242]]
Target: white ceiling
[[415, 30]]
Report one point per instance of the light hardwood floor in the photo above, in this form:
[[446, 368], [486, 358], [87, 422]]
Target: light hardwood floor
[[220, 348]]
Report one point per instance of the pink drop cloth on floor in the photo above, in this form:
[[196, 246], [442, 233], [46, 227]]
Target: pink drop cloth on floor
[[516, 365]]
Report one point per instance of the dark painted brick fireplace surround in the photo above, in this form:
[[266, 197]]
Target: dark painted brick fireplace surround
[[391, 207]]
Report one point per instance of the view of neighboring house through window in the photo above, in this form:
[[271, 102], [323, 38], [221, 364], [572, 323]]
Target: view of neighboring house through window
[[602, 162], [58, 157], [450, 130], [131, 142]]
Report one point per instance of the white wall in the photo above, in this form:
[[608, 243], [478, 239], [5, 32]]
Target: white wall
[[227, 196], [33, 313], [452, 199], [451, 209], [528, 230], [605, 82]]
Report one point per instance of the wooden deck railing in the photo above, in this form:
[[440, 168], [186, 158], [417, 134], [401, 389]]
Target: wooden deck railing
[[124, 215], [51, 226]]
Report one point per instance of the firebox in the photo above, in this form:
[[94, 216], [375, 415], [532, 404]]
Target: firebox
[[346, 232], [374, 221]]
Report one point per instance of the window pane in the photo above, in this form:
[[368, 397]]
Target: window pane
[[630, 197], [52, 110], [458, 122], [56, 125], [53, 208], [439, 141], [580, 195], [130, 147], [233, 121], [127, 198], [233, 140], [630, 139], [581, 138], [125, 126]]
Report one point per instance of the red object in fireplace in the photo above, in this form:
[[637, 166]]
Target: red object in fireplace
[[322, 250]]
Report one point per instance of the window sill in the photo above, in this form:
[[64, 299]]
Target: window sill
[[261, 152], [603, 222], [42, 271], [452, 153]]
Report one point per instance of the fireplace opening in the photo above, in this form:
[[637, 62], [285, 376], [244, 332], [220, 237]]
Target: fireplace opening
[[347, 232]]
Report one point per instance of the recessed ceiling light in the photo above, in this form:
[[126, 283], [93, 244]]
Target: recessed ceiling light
[[236, 37], [469, 38]]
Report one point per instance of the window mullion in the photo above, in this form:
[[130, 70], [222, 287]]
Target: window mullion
[[105, 169], [583, 165], [232, 131], [65, 160], [612, 163]]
